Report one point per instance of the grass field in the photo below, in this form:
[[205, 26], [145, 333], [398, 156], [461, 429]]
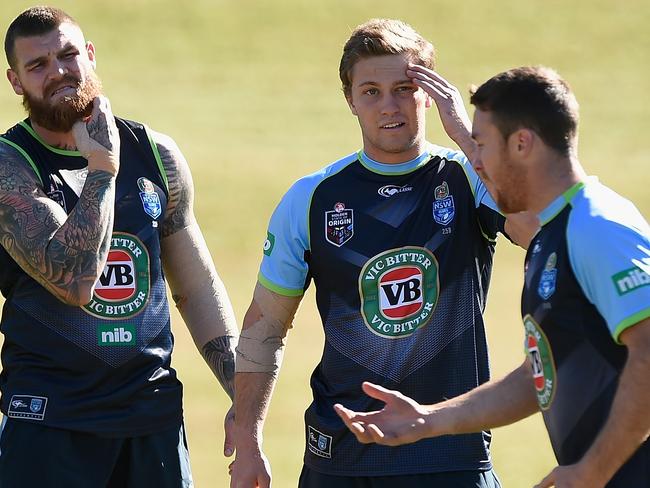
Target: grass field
[[250, 92]]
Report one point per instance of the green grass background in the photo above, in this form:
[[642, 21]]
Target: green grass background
[[249, 89]]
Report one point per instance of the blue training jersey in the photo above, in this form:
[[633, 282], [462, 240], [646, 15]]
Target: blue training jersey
[[400, 255], [103, 368], [587, 280]]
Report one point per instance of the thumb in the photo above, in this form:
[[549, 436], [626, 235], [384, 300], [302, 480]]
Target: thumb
[[378, 392], [229, 441]]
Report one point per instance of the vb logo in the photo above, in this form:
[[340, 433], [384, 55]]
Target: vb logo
[[401, 292], [117, 282]]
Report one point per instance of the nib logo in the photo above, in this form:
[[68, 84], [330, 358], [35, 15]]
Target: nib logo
[[110, 335], [629, 280]]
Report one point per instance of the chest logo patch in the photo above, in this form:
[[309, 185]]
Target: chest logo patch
[[541, 358], [122, 289], [399, 290], [443, 205], [150, 199], [388, 191], [548, 279], [339, 225]]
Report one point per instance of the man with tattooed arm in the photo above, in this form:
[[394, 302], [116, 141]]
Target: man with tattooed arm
[[93, 210]]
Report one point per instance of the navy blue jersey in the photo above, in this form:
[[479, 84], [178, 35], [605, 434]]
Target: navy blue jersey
[[104, 367], [401, 258], [587, 277]]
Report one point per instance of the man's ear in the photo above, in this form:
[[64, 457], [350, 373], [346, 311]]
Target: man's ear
[[521, 142], [348, 98], [90, 49], [15, 82]]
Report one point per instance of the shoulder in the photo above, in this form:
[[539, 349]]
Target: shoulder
[[16, 166], [600, 217], [303, 188]]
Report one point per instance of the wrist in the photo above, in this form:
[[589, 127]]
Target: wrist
[[100, 161]]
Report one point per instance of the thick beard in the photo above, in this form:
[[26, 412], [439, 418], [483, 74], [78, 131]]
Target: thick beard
[[62, 115]]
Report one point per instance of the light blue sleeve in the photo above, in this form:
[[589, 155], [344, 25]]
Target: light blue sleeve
[[284, 269], [609, 251]]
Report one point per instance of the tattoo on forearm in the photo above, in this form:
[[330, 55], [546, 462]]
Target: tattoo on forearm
[[220, 356], [61, 252]]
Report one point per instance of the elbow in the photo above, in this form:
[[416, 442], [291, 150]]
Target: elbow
[[77, 296]]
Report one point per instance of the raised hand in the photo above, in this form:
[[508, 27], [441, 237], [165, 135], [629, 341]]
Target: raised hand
[[401, 421], [449, 102], [97, 139]]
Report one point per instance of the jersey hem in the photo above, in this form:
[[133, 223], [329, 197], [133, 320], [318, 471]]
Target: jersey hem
[[424, 470], [629, 322], [280, 290]]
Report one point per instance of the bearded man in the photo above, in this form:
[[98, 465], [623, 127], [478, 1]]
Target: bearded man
[[93, 208]]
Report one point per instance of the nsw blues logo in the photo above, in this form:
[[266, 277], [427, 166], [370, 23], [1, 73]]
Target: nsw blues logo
[[548, 279], [149, 197], [443, 205], [339, 225]]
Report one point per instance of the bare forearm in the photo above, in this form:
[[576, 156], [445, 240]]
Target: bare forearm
[[252, 398], [493, 404]]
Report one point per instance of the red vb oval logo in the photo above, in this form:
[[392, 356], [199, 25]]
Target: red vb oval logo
[[541, 359], [399, 291], [117, 282], [122, 289]]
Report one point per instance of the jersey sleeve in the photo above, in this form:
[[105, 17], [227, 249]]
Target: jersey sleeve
[[284, 267], [611, 261]]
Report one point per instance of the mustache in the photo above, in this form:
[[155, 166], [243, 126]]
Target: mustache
[[53, 86]]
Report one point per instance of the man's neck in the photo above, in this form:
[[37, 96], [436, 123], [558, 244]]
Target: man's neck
[[553, 179], [60, 140]]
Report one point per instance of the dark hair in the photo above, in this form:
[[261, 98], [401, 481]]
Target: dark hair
[[535, 98], [379, 37], [34, 21]]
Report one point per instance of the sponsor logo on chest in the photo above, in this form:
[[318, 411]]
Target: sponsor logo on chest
[[339, 225], [388, 191], [399, 291], [122, 289]]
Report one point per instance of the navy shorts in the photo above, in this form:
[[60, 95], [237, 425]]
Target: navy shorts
[[36, 455], [453, 479]]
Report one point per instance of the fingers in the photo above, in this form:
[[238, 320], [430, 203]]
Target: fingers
[[379, 392], [431, 82], [547, 482]]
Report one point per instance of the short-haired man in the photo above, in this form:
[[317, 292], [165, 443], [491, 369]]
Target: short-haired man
[[585, 303], [398, 239], [92, 209]]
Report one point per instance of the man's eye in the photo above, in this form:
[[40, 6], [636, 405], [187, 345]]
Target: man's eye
[[371, 91]]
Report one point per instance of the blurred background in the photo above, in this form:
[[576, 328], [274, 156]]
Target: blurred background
[[249, 89]]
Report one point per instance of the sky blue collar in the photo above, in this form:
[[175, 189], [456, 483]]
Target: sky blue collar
[[393, 169]]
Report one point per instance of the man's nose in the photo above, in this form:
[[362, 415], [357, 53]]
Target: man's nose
[[389, 104]]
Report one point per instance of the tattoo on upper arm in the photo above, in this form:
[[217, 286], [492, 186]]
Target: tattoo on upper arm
[[179, 213], [220, 356], [62, 252]]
